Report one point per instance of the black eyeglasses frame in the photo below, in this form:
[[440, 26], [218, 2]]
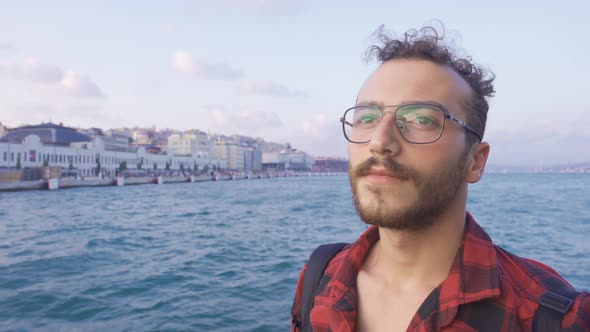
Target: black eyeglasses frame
[[446, 115]]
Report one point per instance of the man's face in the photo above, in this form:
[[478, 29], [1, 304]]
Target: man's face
[[397, 184]]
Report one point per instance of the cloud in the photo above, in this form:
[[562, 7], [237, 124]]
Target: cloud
[[70, 112], [317, 125], [80, 85], [270, 88], [249, 121], [185, 63], [38, 72], [320, 135], [272, 7], [68, 82]]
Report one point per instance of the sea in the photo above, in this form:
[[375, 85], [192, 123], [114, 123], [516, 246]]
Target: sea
[[225, 256]]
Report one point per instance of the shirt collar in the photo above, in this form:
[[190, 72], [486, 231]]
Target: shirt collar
[[474, 274]]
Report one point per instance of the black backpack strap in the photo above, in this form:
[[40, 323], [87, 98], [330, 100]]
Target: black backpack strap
[[318, 261], [553, 305]]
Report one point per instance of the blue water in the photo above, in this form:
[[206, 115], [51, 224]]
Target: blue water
[[226, 255]]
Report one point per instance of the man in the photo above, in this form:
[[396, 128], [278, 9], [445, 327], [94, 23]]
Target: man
[[415, 143]]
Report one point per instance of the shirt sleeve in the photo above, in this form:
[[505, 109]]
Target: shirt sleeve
[[296, 308]]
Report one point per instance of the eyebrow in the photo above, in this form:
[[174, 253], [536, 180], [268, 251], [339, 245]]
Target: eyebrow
[[369, 103]]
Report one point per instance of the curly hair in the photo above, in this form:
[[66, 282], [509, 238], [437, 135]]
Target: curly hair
[[428, 44]]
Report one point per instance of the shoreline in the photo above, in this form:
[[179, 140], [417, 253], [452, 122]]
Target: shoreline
[[69, 182]]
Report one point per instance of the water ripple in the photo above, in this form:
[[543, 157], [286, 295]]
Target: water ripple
[[225, 256]]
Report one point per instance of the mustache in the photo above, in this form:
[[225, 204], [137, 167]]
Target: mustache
[[390, 165]]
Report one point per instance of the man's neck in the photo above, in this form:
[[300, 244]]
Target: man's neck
[[417, 259]]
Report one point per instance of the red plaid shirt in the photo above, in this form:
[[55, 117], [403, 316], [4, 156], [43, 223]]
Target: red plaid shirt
[[487, 289]]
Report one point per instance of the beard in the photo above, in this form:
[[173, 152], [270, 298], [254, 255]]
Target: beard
[[435, 193]]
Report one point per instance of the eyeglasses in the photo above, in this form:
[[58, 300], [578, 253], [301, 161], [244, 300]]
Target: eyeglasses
[[418, 123]]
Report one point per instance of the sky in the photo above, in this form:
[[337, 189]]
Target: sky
[[286, 70]]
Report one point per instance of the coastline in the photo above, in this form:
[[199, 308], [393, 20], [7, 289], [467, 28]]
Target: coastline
[[71, 182]]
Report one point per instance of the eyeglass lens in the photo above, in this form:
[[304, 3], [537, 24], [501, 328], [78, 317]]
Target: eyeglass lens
[[416, 123]]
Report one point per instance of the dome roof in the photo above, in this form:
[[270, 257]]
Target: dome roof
[[49, 133]]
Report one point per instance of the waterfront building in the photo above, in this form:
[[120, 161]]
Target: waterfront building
[[159, 137], [232, 153], [287, 160], [296, 160], [85, 155], [330, 164], [116, 140], [113, 140], [273, 161], [241, 152], [195, 143], [141, 137], [3, 129], [252, 160]]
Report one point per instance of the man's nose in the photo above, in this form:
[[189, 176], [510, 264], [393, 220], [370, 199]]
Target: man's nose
[[386, 139]]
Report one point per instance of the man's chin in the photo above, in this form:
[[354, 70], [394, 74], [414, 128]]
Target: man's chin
[[390, 221], [383, 195], [378, 213], [392, 213], [394, 220]]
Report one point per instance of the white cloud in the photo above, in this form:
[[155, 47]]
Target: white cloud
[[39, 72], [270, 88], [221, 118], [259, 119], [69, 83], [320, 136], [244, 122], [80, 85], [317, 125], [71, 113], [184, 62]]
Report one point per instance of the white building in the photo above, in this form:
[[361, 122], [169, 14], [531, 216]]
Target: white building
[[232, 153], [297, 160], [55, 145], [117, 140], [273, 161], [196, 144], [141, 137], [252, 160], [287, 160]]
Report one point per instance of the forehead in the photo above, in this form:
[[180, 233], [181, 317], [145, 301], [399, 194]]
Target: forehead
[[408, 80]]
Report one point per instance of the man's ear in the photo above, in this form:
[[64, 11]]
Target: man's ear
[[476, 163]]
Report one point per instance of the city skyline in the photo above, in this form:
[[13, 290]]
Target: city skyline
[[284, 70], [130, 132]]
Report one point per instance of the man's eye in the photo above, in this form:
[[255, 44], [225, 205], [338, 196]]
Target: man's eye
[[367, 119], [426, 121]]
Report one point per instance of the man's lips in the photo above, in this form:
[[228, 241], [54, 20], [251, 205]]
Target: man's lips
[[382, 176]]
